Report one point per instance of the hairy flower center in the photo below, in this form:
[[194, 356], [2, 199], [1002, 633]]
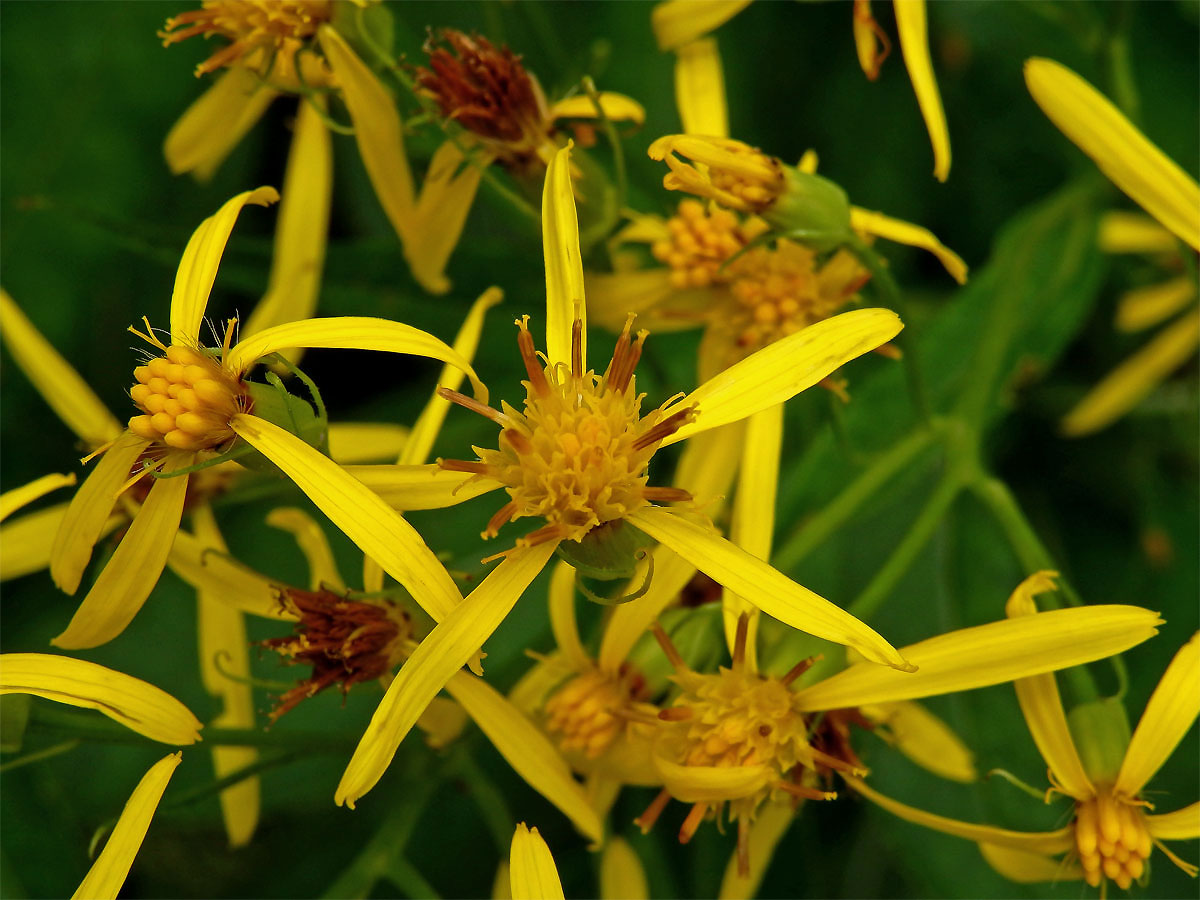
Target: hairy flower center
[[701, 241], [586, 712], [187, 399], [1112, 839]]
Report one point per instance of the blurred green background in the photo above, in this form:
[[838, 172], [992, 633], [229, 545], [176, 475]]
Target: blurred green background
[[93, 226]]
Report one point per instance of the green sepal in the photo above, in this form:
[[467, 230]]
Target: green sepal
[[291, 413], [1100, 730], [607, 552], [368, 29], [813, 209], [14, 717]]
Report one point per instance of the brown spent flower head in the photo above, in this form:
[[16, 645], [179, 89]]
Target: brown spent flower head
[[591, 710], [578, 453], [345, 640], [490, 93]]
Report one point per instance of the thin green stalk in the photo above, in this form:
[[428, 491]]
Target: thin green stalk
[[487, 797], [412, 883], [39, 755], [236, 777], [614, 140], [813, 532]]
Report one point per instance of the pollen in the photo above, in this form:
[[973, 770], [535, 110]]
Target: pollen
[[591, 710], [577, 454], [1112, 839], [701, 241], [187, 400]]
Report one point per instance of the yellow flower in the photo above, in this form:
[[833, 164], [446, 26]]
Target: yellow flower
[[1102, 770], [531, 870], [739, 737], [678, 23], [1135, 165]]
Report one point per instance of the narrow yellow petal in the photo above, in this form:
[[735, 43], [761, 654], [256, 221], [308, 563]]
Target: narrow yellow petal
[[772, 592], [366, 442], [914, 43], [131, 573], [1172, 709], [311, 539], [441, 213], [361, 515], [25, 542], [527, 750], [708, 465], [531, 871], [989, 654], [532, 688], [925, 739], [562, 616], [1123, 153], [712, 784], [564, 267], [442, 722], [700, 89], [377, 130], [1124, 387], [198, 267], [134, 703], [1181, 825], [1133, 232], [648, 294], [212, 126], [207, 569], [302, 229], [677, 22], [349, 333], [1146, 306], [766, 831], [421, 487], [1043, 842], [56, 380], [90, 510], [616, 107], [783, 369], [443, 652], [631, 620], [870, 42], [1024, 867], [107, 874], [17, 498], [879, 225], [622, 876], [466, 342]]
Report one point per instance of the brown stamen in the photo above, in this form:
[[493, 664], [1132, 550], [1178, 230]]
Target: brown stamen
[[805, 792], [501, 517], [533, 366], [666, 494], [665, 428], [739, 641], [473, 405], [692, 822], [647, 819], [675, 713], [577, 348], [517, 440], [743, 847], [800, 668], [668, 648], [464, 465]]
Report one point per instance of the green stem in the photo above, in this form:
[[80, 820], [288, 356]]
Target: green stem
[[236, 777], [614, 140], [813, 532], [39, 755], [487, 797], [412, 883]]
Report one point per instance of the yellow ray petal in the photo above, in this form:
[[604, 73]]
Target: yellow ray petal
[[1124, 387], [441, 213], [527, 750], [622, 876], [1043, 842], [700, 89], [421, 487], [302, 229], [925, 739], [1181, 825], [365, 442], [349, 333], [564, 267], [712, 784], [134, 703], [616, 107], [89, 511], [1172, 709], [207, 569], [378, 530], [225, 673], [766, 831], [56, 380], [25, 542], [562, 616], [443, 721], [914, 44], [443, 652], [870, 41], [1123, 153], [212, 126], [783, 369], [1145, 306], [989, 654], [531, 689], [377, 130], [311, 539], [1133, 232], [17, 498], [466, 342], [531, 871], [107, 874], [198, 266], [648, 294], [876, 223], [1024, 867], [131, 573], [772, 592], [708, 464], [677, 22]]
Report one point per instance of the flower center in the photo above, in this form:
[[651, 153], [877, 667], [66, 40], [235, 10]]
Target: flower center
[[578, 453], [730, 172], [586, 712], [701, 241], [261, 33], [1112, 839], [187, 399]]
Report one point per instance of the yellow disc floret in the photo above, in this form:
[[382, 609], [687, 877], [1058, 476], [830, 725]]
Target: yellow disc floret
[[1112, 839], [587, 713], [730, 172], [701, 241], [187, 399]]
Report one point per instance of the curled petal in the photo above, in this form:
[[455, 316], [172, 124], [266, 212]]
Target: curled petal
[[925, 739], [17, 498], [876, 223], [914, 44], [616, 108], [711, 784], [441, 213]]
